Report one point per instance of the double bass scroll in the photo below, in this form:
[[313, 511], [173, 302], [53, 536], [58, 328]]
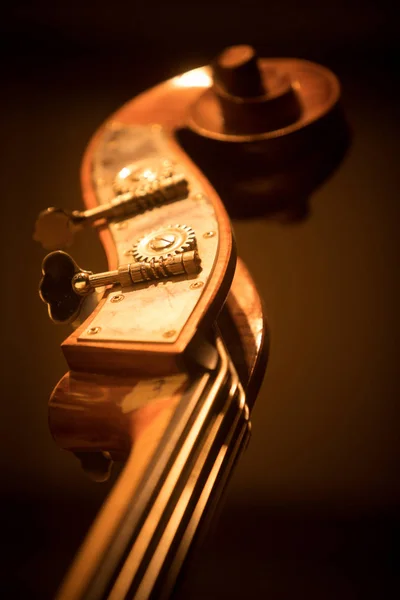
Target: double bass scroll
[[169, 346]]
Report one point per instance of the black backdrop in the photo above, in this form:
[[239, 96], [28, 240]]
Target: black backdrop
[[311, 511]]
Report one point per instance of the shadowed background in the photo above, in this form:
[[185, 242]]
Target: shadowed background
[[311, 510]]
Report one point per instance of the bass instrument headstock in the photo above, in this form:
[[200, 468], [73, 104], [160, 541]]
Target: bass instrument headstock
[[169, 346]]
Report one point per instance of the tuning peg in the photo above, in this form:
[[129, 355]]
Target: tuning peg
[[64, 285], [137, 189]]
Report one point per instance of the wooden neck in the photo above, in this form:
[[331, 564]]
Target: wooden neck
[[141, 528]]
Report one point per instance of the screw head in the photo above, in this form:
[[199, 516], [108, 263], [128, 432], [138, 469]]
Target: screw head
[[93, 330], [196, 285], [117, 298], [162, 241], [169, 334], [208, 234]]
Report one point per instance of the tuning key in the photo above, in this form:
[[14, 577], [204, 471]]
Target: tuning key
[[64, 285], [136, 190], [55, 227]]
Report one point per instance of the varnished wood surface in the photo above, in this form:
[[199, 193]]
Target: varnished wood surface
[[313, 89], [245, 329], [109, 411], [167, 105], [279, 146], [116, 415], [100, 412], [148, 426], [325, 423]]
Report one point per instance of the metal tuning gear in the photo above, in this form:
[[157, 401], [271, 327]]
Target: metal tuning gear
[[170, 240], [64, 285], [138, 188]]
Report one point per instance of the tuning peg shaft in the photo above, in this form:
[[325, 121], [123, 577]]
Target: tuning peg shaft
[[135, 193], [64, 284]]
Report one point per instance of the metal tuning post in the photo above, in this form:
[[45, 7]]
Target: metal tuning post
[[137, 188], [168, 252]]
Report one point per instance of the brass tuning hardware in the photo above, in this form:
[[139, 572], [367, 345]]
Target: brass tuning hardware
[[64, 285], [136, 189]]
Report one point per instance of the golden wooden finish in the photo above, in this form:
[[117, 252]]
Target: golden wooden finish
[[280, 141], [107, 413], [128, 417], [119, 399], [80, 353], [177, 410]]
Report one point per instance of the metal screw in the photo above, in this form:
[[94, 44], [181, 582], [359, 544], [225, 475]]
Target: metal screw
[[196, 285], [117, 298], [208, 234], [162, 241], [93, 330], [170, 333]]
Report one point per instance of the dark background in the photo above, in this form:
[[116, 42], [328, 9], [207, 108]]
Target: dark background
[[311, 511]]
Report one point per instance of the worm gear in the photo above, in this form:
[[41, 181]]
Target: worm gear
[[166, 241]]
